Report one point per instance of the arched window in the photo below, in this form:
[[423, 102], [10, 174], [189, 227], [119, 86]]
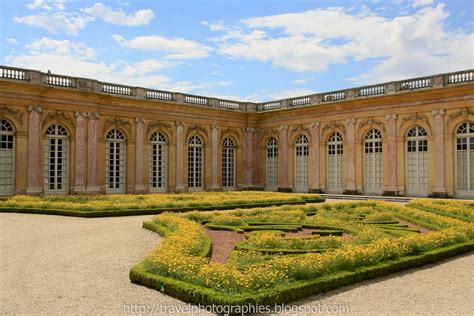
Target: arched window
[[115, 162], [158, 162], [373, 162], [301, 164], [465, 159], [228, 163], [7, 157], [335, 152], [56, 160], [417, 161], [272, 164], [195, 163]]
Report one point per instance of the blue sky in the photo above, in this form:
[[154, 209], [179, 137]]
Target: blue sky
[[244, 50]]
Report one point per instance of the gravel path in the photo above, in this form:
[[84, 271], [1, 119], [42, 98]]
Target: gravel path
[[66, 265]]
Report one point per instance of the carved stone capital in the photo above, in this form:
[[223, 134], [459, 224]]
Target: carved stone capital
[[315, 124], [390, 117], [35, 109], [179, 124], [92, 115], [214, 127], [351, 121], [284, 128], [437, 112], [80, 114], [139, 120]]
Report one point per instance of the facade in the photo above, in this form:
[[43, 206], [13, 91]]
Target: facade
[[67, 135]]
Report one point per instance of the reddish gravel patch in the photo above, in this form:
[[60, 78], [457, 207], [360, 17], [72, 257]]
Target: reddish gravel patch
[[223, 242], [423, 230]]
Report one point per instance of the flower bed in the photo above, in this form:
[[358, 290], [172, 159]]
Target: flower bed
[[269, 267], [127, 204], [457, 209]]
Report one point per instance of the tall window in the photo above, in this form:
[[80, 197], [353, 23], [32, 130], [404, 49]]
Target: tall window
[[115, 163], [195, 163], [228, 163], [373, 162], [417, 161], [158, 162], [301, 170], [465, 159], [7, 157], [272, 164], [56, 160], [335, 152]]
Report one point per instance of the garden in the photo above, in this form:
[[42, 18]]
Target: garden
[[142, 204], [283, 253]]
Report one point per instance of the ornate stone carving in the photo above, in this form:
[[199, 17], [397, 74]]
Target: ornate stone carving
[[284, 128], [139, 119], [371, 122], [179, 123], [315, 124], [16, 113], [390, 117], [437, 112], [463, 112], [57, 117], [333, 125], [350, 121], [116, 122], [92, 115], [414, 118], [299, 129], [197, 128], [158, 125], [35, 109]]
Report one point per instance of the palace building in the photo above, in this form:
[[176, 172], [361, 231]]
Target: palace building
[[68, 135]]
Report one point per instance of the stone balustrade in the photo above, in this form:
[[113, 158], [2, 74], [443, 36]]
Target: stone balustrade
[[91, 85]]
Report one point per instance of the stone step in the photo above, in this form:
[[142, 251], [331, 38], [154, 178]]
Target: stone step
[[401, 199]]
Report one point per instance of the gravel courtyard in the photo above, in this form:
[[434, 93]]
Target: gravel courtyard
[[66, 265]]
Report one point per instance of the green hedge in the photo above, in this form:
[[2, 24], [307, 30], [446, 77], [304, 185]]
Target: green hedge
[[286, 293], [439, 212], [327, 232], [236, 229], [107, 213], [277, 250]]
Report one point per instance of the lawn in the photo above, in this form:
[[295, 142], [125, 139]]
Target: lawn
[[291, 252], [128, 204]]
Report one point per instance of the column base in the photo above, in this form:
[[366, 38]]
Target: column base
[[351, 192], [215, 189], [93, 190], [180, 189], [140, 189], [79, 190], [34, 191], [390, 193], [315, 191], [438, 195], [286, 190]]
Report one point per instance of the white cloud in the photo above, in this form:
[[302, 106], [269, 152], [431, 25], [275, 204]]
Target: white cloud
[[214, 27], [285, 94], [12, 41], [118, 17], [46, 5], [176, 48], [58, 22], [302, 81], [420, 3], [315, 39], [197, 87]]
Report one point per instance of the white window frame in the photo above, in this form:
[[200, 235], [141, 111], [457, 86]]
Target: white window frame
[[373, 165], [116, 139], [419, 139], [335, 147], [56, 134], [195, 163], [466, 134], [272, 164], [7, 158], [158, 162], [301, 163], [228, 164]]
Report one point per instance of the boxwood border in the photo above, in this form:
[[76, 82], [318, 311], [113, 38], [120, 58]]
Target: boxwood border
[[195, 294], [154, 211]]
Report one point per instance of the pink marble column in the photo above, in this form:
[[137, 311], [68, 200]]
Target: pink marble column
[[315, 163], [92, 153], [34, 132], [283, 169], [80, 153], [391, 128], [179, 156], [349, 151], [139, 154], [248, 164], [439, 189], [214, 163], [257, 160]]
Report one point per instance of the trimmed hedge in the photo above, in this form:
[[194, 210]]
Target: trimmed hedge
[[278, 250], [282, 294], [439, 212], [130, 212], [327, 232]]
